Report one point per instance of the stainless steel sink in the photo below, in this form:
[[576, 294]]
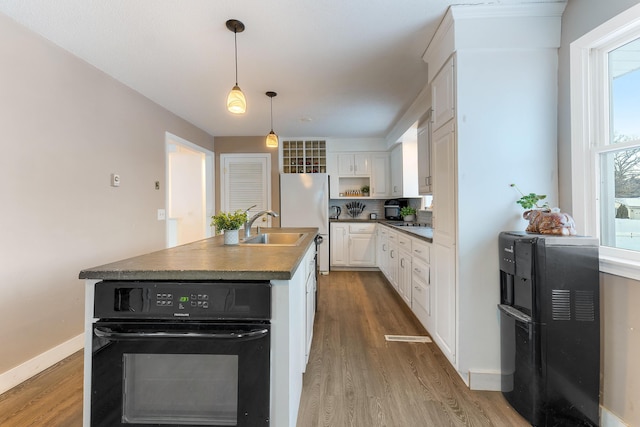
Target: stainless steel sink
[[275, 239]]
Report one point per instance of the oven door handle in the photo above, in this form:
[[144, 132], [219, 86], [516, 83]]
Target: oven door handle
[[107, 333]]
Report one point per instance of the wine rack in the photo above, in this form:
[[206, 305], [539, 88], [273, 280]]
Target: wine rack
[[304, 156]]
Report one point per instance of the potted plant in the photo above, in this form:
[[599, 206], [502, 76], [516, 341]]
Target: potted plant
[[229, 222], [531, 200], [408, 213], [543, 219], [365, 190]]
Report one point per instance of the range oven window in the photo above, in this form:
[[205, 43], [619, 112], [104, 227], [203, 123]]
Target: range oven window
[[195, 389]]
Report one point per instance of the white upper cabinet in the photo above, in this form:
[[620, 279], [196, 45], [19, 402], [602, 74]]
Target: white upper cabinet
[[442, 95], [379, 175], [404, 170], [354, 164], [424, 157]]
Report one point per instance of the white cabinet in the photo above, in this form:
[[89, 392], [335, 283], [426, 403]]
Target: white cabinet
[[354, 164], [353, 244], [339, 243], [380, 175], [362, 244], [404, 170], [443, 95], [424, 157], [404, 260], [444, 185], [392, 261], [396, 171], [310, 306], [383, 249], [444, 239], [421, 284], [404, 268], [350, 172]]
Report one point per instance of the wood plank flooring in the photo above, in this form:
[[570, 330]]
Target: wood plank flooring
[[52, 398], [354, 377]]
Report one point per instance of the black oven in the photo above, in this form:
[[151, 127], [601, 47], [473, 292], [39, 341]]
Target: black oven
[[181, 354]]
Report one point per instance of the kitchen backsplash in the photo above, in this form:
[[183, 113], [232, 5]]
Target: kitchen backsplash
[[377, 206], [371, 206]]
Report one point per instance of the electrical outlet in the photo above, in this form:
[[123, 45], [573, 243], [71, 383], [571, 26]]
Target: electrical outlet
[[157, 185], [162, 215], [115, 180]]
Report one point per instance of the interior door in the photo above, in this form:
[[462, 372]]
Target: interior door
[[245, 180], [189, 193]]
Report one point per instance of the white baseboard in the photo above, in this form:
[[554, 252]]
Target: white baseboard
[[485, 380], [608, 419], [28, 369]]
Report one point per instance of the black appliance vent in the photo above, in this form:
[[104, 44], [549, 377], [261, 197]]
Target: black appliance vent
[[583, 301], [560, 304], [585, 306]]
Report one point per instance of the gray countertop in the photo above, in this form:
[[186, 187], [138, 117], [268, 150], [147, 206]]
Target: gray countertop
[[210, 259], [424, 233]]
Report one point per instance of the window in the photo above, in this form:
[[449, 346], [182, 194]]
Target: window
[[605, 109]]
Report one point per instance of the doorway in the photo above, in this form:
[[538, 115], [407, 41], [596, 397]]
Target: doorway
[[189, 192]]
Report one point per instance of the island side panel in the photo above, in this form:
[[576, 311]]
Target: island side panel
[[288, 345], [88, 348]]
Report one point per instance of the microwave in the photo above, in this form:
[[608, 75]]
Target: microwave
[[392, 208]]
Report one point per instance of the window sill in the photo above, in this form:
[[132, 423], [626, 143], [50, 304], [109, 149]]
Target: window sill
[[620, 267]]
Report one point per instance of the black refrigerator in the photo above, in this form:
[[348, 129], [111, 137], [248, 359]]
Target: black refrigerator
[[550, 327]]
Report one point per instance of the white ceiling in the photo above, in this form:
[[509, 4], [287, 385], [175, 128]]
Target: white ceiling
[[341, 68]]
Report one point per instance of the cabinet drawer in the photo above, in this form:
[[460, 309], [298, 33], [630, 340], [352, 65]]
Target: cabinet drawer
[[420, 271], [368, 228], [421, 250], [404, 242], [392, 236], [420, 282]]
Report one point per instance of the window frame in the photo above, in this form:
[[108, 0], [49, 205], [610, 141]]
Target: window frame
[[590, 123]]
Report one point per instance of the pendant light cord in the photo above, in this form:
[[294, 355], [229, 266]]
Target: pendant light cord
[[271, 113], [235, 39]]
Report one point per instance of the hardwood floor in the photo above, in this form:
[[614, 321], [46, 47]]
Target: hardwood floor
[[52, 398], [354, 377]]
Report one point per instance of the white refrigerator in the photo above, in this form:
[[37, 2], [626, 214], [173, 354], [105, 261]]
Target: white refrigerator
[[304, 202]]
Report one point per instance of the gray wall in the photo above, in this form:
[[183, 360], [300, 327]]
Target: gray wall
[[620, 298], [65, 128]]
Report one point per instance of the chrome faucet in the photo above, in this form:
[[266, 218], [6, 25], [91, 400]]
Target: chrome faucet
[[249, 223]]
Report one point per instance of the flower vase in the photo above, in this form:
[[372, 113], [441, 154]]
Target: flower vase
[[231, 237]]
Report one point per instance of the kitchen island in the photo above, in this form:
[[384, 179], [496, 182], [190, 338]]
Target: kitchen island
[[289, 269]]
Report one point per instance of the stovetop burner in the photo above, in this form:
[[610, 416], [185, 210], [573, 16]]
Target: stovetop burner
[[411, 224]]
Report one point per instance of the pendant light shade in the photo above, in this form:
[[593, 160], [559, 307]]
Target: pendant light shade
[[272, 138], [236, 102]]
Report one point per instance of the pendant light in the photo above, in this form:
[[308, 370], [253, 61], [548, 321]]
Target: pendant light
[[236, 102], [272, 138]]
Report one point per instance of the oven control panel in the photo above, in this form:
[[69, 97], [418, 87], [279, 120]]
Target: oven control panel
[[167, 299], [198, 300]]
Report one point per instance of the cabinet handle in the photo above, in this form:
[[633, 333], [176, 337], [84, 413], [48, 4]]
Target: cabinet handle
[[391, 253], [402, 262], [417, 251], [417, 270], [417, 288]]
